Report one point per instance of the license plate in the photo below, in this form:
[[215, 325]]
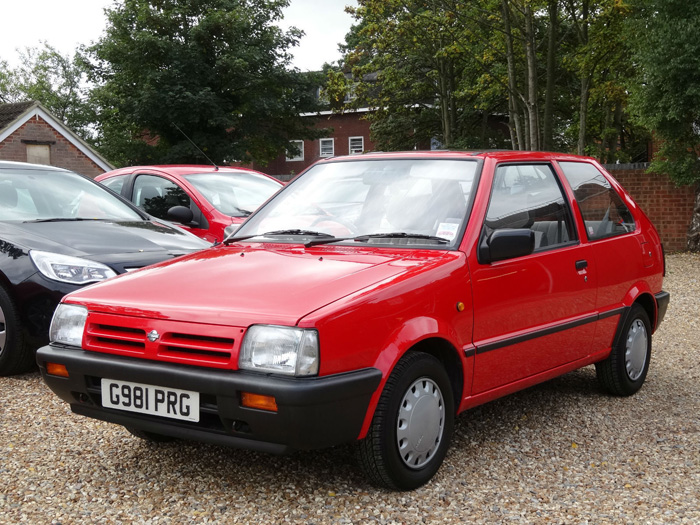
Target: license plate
[[150, 399]]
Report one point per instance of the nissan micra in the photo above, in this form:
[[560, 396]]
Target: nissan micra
[[372, 300]]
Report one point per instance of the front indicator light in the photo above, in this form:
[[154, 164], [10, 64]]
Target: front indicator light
[[259, 401], [55, 369]]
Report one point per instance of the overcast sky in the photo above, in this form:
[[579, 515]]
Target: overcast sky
[[65, 24]]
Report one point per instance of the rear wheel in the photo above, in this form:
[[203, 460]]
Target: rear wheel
[[412, 425], [624, 371], [15, 355]]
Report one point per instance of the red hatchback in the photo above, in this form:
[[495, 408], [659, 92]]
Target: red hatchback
[[206, 200], [371, 301]]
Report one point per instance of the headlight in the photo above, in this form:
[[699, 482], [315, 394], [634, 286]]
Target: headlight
[[66, 269], [280, 350], [68, 324]]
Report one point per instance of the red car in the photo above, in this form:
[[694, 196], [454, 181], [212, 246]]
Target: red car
[[372, 300], [208, 201]]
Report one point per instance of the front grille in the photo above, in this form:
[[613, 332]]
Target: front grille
[[196, 346], [176, 342], [106, 337]]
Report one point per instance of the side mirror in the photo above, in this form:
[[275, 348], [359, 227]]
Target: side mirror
[[180, 214], [506, 244]]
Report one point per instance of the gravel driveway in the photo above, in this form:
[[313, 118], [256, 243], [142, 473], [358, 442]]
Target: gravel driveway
[[560, 452]]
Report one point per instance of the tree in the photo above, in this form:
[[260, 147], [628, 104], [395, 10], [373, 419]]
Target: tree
[[668, 89], [217, 71], [56, 81]]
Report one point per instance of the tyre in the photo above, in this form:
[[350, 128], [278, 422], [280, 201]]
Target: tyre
[[624, 371], [412, 425], [15, 355], [153, 437]]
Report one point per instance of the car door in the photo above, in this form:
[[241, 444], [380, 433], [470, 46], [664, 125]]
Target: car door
[[156, 195], [535, 312]]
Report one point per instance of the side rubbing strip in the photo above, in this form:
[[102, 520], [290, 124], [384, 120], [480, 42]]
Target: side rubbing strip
[[547, 331], [469, 351]]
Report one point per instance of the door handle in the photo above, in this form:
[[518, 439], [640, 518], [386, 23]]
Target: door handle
[[581, 265]]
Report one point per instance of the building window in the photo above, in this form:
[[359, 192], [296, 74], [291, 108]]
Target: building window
[[299, 153], [39, 154], [357, 145], [327, 147]]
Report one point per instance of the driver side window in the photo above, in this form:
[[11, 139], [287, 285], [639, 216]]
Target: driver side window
[[156, 195], [529, 196]]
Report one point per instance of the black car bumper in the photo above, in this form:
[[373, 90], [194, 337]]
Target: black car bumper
[[662, 300], [312, 412]]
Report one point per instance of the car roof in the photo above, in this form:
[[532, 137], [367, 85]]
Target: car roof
[[185, 169], [8, 164], [499, 155]]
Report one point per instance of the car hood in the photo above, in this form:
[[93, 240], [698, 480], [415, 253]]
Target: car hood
[[240, 286], [132, 243]]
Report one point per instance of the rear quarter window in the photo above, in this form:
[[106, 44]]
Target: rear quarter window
[[604, 213]]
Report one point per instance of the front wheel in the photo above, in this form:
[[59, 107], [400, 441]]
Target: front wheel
[[412, 425], [624, 371], [16, 356]]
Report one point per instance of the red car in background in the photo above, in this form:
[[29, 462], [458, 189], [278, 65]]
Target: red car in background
[[208, 201]]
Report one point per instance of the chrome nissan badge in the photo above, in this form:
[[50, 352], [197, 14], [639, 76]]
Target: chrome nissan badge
[[153, 336]]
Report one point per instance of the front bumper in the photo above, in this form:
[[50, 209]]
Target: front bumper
[[312, 413]]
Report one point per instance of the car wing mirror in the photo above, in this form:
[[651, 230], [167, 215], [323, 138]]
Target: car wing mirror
[[181, 214], [506, 244]]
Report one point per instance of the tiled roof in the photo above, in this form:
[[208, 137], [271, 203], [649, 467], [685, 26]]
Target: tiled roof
[[11, 112]]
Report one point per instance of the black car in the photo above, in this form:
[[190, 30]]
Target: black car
[[60, 231]]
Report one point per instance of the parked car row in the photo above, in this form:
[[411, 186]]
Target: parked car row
[[60, 231], [371, 300]]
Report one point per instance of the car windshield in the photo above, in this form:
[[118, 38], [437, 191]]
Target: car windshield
[[408, 201], [40, 195], [235, 194]]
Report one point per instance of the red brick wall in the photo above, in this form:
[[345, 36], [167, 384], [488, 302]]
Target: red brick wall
[[668, 206], [63, 153], [343, 127]]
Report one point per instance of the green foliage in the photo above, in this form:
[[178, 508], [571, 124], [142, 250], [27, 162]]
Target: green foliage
[[54, 80], [449, 69], [217, 69], [667, 91]]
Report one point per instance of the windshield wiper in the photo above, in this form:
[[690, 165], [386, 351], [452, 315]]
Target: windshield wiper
[[306, 233], [402, 235], [65, 219], [392, 235]]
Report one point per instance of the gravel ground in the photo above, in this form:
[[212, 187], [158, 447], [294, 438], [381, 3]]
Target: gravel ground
[[560, 452]]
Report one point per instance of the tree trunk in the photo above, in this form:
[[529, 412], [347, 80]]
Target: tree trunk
[[532, 105], [548, 124], [516, 132], [583, 115]]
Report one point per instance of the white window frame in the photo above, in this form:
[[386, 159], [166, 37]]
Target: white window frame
[[300, 156], [355, 151], [332, 147]]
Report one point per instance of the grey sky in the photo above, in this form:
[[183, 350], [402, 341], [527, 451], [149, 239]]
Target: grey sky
[[65, 24]]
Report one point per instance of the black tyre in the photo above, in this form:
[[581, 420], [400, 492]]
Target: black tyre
[[15, 355], [153, 437], [412, 425], [624, 371]]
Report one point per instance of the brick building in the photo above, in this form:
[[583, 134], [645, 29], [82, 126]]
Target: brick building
[[348, 135], [30, 133], [668, 206]]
